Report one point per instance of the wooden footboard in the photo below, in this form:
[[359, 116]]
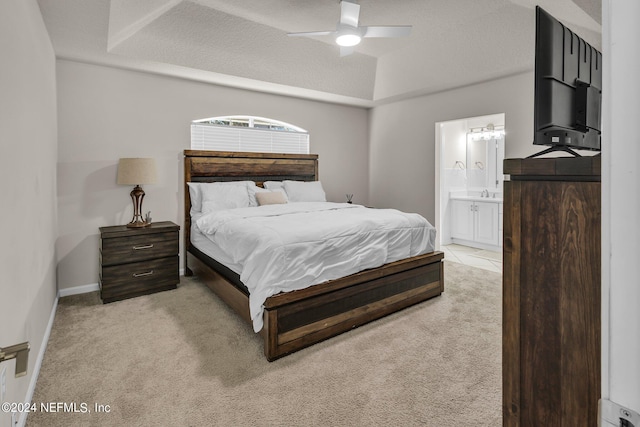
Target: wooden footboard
[[298, 319]]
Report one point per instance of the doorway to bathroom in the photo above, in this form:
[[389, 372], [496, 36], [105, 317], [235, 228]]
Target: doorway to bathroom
[[469, 158]]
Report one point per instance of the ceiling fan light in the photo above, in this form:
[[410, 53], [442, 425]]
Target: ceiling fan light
[[348, 39]]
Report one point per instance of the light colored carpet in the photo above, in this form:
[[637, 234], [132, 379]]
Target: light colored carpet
[[183, 358]]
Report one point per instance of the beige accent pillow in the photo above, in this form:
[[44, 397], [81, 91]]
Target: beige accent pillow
[[271, 198]]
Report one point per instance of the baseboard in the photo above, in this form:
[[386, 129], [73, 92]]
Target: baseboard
[[477, 245], [91, 287], [36, 368]]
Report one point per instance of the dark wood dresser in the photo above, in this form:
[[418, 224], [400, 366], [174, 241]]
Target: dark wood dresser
[[138, 261], [551, 285]]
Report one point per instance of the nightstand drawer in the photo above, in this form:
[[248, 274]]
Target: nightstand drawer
[[137, 248], [128, 278]]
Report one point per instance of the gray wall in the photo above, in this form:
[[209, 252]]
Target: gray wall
[[402, 137], [107, 113], [27, 184]]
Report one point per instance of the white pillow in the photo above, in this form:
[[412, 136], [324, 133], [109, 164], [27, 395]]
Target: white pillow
[[194, 195], [300, 191], [220, 197], [198, 189], [272, 185]]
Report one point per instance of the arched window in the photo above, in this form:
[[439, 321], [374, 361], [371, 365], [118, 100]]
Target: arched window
[[248, 133]]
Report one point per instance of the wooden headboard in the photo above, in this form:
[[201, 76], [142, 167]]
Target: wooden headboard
[[215, 166]]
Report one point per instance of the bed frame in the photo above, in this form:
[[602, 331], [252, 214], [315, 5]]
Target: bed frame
[[298, 319]]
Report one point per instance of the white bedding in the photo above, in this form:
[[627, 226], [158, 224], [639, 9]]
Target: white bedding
[[209, 248], [292, 246]]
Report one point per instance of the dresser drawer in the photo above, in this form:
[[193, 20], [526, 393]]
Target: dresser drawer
[[137, 248], [129, 277]]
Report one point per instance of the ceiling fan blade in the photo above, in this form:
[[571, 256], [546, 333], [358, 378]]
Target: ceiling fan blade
[[346, 50], [311, 33], [349, 13], [390, 31]]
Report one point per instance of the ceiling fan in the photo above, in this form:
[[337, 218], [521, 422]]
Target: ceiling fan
[[348, 34]]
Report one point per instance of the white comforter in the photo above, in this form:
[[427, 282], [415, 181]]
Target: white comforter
[[293, 246]]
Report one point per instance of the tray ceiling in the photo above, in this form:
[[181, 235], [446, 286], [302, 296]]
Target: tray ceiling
[[243, 43]]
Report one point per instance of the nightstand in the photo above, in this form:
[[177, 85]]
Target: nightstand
[[138, 261]]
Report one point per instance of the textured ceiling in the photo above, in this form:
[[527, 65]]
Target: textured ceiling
[[243, 43]]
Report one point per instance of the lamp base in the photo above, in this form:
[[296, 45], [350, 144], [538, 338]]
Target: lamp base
[[138, 224], [137, 194]]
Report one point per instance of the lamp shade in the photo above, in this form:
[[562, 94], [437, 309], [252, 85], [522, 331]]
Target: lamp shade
[[135, 171]]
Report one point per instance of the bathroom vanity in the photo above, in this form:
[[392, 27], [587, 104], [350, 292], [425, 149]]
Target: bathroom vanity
[[476, 219]]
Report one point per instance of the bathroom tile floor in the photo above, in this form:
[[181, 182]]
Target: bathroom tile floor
[[473, 257]]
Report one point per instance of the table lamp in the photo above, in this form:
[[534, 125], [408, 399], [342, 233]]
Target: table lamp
[[136, 171]]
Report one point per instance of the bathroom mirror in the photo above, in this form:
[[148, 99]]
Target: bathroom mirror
[[476, 162], [485, 154]]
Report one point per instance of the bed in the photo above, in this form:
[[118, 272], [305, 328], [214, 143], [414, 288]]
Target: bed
[[297, 319]]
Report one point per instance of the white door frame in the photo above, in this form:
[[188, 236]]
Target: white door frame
[[620, 202]]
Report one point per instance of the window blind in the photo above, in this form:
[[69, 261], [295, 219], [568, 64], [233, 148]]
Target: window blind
[[230, 138]]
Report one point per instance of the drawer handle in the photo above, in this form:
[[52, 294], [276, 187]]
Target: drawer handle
[[137, 248], [148, 273]]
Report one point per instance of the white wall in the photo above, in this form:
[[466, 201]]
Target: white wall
[[453, 177], [402, 137], [621, 204], [454, 144], [107, 113], [27, 184]]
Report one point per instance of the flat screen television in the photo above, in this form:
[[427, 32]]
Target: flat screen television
[[568, 88]]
